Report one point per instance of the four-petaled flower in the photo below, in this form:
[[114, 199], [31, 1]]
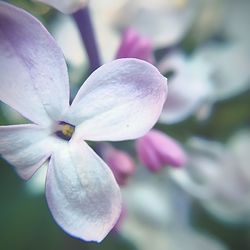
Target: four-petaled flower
[[120, 100]]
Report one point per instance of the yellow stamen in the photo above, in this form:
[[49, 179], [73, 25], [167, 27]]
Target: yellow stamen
[[68, 130], [64, 130]]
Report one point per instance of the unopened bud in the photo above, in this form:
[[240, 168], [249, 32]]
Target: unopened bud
[[157, 150], [133, 45]]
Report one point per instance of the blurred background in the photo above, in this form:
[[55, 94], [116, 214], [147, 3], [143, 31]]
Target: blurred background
[[203, 47]]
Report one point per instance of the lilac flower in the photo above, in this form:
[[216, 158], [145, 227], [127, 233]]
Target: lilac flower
[[120, 100], [65, 6], [157, 150]]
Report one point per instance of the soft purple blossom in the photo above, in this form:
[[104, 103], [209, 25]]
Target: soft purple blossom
[[81, 190], [157, 150]]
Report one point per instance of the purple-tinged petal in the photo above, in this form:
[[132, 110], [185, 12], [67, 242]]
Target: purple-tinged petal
[[120, 100], [65, 6], [34, 78], [81, 191], [26, 147]]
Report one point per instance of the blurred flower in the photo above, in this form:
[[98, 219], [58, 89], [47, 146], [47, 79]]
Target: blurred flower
[[81, 191], [231, 62], [226, 45], [165, 22], [153, 222], [209, 21], [157, 150], [133, 45], [108, 37], [219, 177], [190, 86], [214, 21], [121, 164], [65, 6]]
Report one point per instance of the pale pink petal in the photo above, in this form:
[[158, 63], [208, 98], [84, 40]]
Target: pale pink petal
[[65, 6], [34, 78], [121, 100], [81, 191], [26, 147]]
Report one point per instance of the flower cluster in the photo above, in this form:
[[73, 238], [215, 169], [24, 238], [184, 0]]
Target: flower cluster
[[130, 116]]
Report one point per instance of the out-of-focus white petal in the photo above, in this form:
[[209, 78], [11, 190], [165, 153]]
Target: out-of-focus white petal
[[218, 179], [231, 63], [34, 79], [81, 191], [26, 147], [189, 87], [155, 210], [104, 16], [66, 33], [165, 22], [65, 6], [121, 100]]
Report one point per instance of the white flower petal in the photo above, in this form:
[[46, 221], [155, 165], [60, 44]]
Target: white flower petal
[[26, 147], [231, 64], [121, 100], [81, 192], [165, 22], [34, 79], [66, 6], [189, 88]]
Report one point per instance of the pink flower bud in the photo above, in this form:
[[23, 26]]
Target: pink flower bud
[[135, 46], [121, 164], [157, 150]]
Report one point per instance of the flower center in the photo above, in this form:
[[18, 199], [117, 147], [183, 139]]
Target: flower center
[[65, 130]]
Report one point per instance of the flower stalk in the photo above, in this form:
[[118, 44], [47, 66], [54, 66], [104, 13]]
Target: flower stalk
[[83, 20]]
